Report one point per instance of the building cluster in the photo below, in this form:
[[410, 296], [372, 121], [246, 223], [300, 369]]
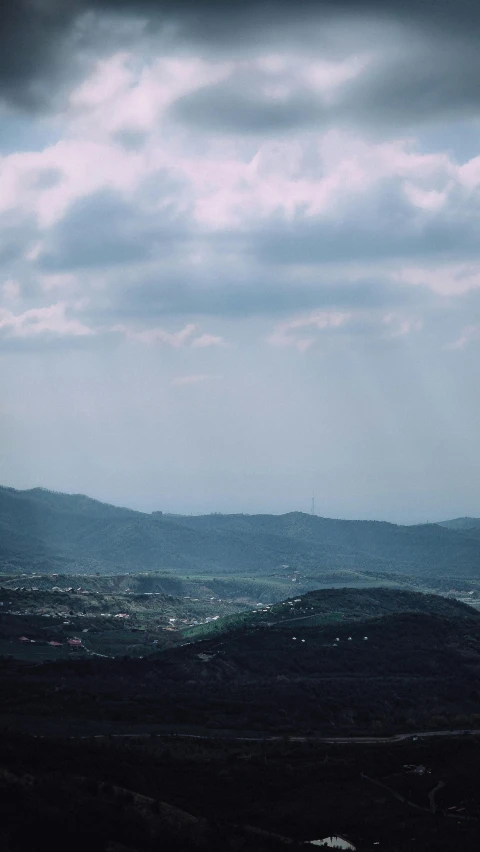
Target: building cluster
[[73, 642]]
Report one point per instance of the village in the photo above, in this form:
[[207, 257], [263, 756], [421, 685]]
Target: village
[[44, 623]]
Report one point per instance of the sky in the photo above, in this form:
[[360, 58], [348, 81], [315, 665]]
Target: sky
[[240, 254]]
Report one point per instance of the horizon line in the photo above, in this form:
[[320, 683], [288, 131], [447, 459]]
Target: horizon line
[[173, 514]]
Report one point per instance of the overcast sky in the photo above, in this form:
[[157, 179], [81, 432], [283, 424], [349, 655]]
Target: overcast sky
[[240, 254]]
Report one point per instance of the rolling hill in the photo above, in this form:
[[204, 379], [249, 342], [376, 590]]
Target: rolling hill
[[387, 661], [49, 532], [331, 606]]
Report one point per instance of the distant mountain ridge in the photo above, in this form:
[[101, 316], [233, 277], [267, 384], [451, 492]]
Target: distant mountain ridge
[[49, 531], [462, 524]]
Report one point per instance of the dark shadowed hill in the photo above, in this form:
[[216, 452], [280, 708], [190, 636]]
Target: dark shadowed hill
[[104, 817], [46, 531], [388, 661]]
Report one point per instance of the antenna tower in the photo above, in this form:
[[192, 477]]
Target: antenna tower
[[312, 509]]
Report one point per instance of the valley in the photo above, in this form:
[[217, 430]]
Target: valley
[[310, 689]]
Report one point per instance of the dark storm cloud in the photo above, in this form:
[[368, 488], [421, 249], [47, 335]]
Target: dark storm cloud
[[39, 39], [415, 83], [32, 43], [104, 230], [210, 19]]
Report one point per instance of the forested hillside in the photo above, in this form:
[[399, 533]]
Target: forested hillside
[[42, 530], [470, 526], [370, 661], [332, 606]]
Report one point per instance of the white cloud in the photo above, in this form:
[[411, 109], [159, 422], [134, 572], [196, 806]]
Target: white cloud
[[51, 320], [369, 322], [470, 333], [151, 336], [329, 77], [232, 184], [450, 279], [125, 94], [206, 340], [109, 79], [399, 326], [83, 167], [286, 333], [176, 339], [238, 189]]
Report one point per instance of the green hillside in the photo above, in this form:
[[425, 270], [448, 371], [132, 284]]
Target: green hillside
[[331, 606], [369, 661]]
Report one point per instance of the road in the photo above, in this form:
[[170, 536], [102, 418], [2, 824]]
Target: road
[[396, 738]]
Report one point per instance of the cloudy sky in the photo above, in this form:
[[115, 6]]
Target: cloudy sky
[[240, 254]]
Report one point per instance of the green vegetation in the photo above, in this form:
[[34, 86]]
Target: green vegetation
[[330, 606], [245, 590], [115, 619], [390, 660], [114, 623]]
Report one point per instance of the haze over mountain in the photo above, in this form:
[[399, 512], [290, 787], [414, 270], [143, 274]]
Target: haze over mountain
[[468, 525], [42, 530]]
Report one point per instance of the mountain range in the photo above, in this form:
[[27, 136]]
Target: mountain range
[[41, 530]]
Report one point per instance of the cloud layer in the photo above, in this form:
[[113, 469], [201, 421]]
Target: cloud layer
[[225, 207]]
